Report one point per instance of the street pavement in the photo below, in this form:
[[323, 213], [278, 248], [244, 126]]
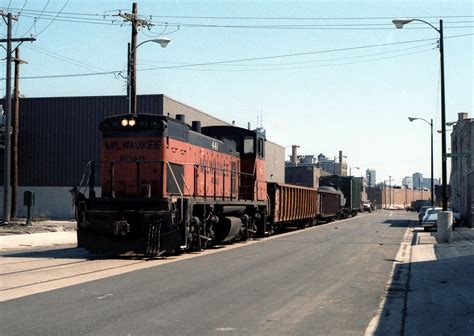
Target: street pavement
[[363, 275]]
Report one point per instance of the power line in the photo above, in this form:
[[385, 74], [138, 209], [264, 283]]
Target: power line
[[84, 21], [296, 54], [21, 10], [34, 11], [302, 18], [34, 23], [353, 26], [246, 17], [310, 61], [311, 66], [178, 25], [67, 59], [51, 22], [117, 73]]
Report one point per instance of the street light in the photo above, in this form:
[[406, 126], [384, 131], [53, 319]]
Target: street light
[[350, 170], [399, 23], [132, 71], [432, 155]]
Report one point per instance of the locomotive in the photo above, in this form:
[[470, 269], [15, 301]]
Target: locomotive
[[168, 187]]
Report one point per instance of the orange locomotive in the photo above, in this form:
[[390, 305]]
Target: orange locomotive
[[166, 187]]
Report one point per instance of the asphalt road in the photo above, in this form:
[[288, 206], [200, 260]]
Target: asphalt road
[[324, 280]]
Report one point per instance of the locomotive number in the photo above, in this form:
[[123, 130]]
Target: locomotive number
[[131, 158]]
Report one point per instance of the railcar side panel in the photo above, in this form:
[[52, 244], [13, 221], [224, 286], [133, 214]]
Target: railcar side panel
[[291, 203]]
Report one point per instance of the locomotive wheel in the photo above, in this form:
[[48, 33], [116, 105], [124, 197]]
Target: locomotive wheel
[[271, 229]]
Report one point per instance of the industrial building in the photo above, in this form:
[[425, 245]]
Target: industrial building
[[462, 167], [59, 136]]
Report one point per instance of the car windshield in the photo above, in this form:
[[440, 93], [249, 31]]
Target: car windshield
[[424, 208], [433, 211], [431, 217]]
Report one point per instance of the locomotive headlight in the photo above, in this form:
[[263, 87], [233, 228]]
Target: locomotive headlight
[[124, 122], [131, 122]]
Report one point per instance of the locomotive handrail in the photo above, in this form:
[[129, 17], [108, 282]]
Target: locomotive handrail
[[184, 164], [179, 189], [93, 165]]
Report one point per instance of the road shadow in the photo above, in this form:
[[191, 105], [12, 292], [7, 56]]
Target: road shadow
[[431, 297], [399, 222], [60, 253], [78, 253]]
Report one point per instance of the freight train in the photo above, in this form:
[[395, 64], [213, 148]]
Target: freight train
[[167, 187]]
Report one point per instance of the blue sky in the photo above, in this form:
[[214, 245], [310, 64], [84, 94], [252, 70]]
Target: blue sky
[[356, 100]]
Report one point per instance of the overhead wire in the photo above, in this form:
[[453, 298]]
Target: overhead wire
[[117, 72], [358, 26], [305, 62], [54, 19], [309, 66], [19, 14], [63, 58], [94, 18], [37, 18], [242, 17]]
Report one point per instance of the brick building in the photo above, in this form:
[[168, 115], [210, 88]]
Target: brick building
[[462, 167]]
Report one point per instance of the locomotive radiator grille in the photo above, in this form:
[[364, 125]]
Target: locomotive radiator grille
[[154, 235]]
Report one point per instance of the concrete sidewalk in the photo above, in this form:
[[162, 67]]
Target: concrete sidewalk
[[431, 291], [40, 234], [440, 300]]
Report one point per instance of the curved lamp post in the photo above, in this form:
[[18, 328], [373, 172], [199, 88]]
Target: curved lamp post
[[432, 169], [132, 71], [399, 23], [350, 170]]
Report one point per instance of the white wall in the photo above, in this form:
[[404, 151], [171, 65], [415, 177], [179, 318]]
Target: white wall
[[50, 202]]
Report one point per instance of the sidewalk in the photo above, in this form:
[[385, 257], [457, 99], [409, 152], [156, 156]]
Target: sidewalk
[[441, 285], [431, 291], [40, 234]]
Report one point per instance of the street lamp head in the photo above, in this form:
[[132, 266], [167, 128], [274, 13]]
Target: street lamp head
[[411, 119], [399, 23], [163, 41]]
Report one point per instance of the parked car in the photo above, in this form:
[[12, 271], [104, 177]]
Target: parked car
[[422, 212], [429, 221], [366, 206], [431, 218]]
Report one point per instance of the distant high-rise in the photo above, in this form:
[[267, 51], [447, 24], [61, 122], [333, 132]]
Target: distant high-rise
[[371, 177], [418, 181]]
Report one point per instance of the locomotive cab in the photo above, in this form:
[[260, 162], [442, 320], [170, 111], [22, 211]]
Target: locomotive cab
[[251, 147]]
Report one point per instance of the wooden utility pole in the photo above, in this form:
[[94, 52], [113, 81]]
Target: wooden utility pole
[[15, 133], [132, 63], [7, 150]]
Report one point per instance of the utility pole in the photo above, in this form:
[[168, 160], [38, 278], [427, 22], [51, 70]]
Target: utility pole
[[132, 64], [8, 91], [15, 134], [390, 188]]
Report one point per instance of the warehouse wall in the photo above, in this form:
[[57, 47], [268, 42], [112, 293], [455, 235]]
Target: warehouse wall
[[59, 135]]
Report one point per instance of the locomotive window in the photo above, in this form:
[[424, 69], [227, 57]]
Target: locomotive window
[[230, 143], [248, 145], [261, 147]]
